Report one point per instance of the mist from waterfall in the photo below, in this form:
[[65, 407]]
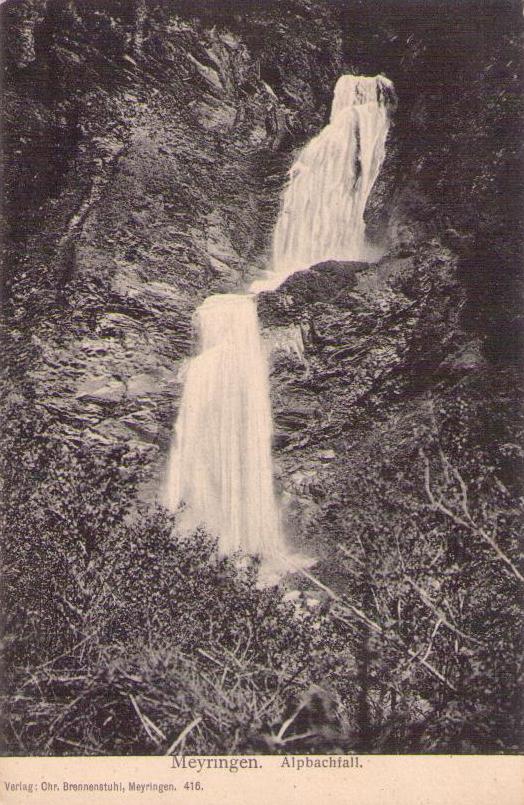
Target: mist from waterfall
[[322, 213], [220, 466]]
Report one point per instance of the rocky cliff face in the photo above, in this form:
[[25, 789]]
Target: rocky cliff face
[[381, 348], [145, 152], [146, 148]]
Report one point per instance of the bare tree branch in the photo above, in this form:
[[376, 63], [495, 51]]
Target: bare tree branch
[[183, 735], [466, 521], [391, 636], [440, 615]]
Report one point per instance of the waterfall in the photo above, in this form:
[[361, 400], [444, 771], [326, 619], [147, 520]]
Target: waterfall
[[322, 215], [220, 465]]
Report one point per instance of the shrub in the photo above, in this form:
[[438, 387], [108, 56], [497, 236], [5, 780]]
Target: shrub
[[433, 527], [121, 633]]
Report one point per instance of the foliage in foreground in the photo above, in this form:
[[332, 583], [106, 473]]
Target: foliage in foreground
[[431, 538], [124, 637], [154, 636]]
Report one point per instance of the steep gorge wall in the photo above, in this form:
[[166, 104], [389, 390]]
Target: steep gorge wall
[[145, 152], [438, 320], [146, 149]]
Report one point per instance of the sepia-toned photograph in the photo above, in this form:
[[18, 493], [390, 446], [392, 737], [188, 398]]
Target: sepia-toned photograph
[[261, 448]]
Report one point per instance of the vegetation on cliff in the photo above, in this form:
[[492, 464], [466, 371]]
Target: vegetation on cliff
[[145, 148]]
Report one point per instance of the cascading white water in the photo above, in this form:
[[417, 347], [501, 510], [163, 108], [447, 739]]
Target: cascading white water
[[322, 215], [220, 464]]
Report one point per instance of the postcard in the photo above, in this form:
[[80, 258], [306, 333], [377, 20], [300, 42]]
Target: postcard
[[261, 451]]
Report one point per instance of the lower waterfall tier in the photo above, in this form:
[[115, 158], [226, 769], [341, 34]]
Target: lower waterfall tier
[[220, 465]]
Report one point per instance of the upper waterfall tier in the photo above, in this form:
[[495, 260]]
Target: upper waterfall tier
[[355, 90], [322, 212]]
